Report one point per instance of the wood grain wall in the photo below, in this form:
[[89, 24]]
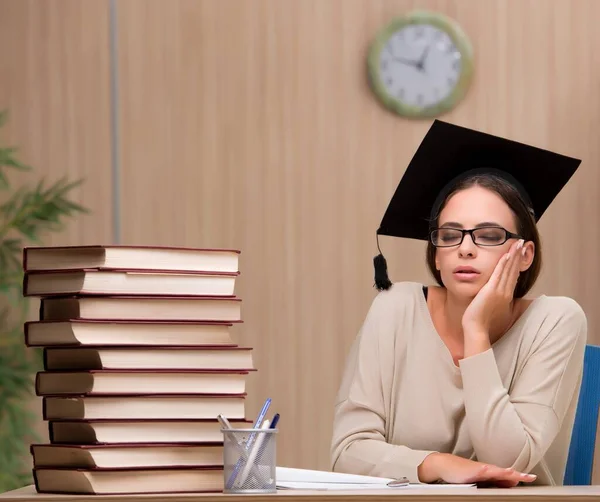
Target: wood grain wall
[[249, 124], [54, 82]]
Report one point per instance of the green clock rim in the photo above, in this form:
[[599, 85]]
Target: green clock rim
[[460, 40]]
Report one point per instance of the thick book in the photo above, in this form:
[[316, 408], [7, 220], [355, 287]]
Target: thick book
[[131, 257], [127, 455], [127, 282], [146, 358], [165, 308], [123, 382], [139, 431], [143, 407], [128, 481], [139, 333]]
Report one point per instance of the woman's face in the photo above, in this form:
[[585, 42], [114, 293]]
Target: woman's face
[[467, 209]]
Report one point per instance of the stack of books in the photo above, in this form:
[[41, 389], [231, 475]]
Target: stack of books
[[138, 362]]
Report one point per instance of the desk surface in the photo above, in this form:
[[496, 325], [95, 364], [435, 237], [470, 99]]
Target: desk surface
[[526, 494]]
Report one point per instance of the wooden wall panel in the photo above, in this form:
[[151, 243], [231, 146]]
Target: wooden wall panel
[[249, 124], [54, 81], [54, 69]]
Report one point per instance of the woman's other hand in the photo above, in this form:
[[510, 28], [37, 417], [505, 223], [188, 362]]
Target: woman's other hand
[[458, 470]]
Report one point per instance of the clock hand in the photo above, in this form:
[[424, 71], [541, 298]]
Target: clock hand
[[421, 63], [406, 61], [401, 60]]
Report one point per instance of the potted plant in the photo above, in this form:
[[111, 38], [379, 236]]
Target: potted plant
[[27, 214]]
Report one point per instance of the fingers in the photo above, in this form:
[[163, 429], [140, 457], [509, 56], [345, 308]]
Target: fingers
[[509, 278], [519, 477], [500, 269], [516, 265], [508, 477]]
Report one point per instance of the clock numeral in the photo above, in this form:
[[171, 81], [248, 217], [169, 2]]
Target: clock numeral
[[401, 93], [419, 31], [451, 82], [450, 48], [389, 81], [456, 65], [384, 65]]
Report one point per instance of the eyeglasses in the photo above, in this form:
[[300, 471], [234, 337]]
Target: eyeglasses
[[482, 236]]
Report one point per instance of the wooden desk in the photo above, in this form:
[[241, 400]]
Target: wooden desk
[[521, 494]]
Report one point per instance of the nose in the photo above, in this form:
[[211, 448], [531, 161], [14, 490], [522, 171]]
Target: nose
[[467, 247]]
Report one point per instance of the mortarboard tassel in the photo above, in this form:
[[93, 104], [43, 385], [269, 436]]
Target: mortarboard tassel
[[382, 281]]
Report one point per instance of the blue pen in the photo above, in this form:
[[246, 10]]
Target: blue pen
[[251, 439], [273, 424], [274, 421]]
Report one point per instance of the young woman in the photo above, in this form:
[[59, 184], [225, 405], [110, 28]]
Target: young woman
[[467, 381]]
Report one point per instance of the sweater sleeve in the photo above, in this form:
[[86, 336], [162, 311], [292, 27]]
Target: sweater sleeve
[[516, 428], [359, 443]]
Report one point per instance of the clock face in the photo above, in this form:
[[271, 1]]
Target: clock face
[[421, 65]]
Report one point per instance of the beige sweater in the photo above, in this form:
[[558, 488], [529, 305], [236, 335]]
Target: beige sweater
[[402, 397]]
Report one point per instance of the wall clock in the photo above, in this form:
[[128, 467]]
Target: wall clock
[[420, 65]]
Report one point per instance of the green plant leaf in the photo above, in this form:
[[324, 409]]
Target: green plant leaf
[[3, 181], [25, 215], [9, 207], [7, 159]]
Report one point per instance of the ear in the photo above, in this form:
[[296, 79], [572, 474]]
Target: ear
[[529, 253]]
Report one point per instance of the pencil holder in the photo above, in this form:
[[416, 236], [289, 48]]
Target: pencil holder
[[249, 460]]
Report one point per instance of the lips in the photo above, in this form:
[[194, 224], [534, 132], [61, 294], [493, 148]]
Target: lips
[[466, 270], [466, 273]]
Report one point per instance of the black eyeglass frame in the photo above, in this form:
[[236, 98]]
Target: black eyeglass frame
[[508, 235]]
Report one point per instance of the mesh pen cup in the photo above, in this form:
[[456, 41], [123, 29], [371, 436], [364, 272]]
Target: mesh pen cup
[[249, 460]]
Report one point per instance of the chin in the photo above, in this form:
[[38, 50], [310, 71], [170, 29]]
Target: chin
[[464, 288]]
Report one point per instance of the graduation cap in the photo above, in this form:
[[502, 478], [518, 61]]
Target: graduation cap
[[449, 153]]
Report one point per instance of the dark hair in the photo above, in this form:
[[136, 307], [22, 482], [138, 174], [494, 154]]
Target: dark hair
[[526, 225]]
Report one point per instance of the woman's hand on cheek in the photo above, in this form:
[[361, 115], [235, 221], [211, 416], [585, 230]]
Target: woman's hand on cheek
[[496, 294]]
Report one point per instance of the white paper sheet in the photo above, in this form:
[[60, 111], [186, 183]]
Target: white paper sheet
[[306, 479], [332, 486], [291, 474], [291, 485]]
